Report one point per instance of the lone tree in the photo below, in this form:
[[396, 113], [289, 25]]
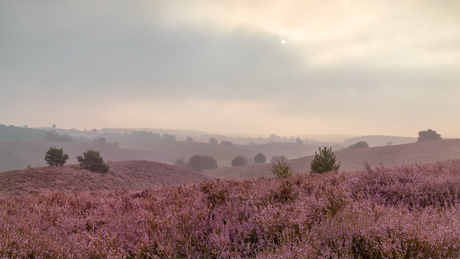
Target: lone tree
[[260, 159], [298, 141], [93, 161], [359, 144], [201, 162], [281, 169], [189, 139], [226, 143], [239, 161], [428, 135], [324, 161], [55, 157]]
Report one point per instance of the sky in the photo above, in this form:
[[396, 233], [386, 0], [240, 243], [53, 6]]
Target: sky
[[290, 67]]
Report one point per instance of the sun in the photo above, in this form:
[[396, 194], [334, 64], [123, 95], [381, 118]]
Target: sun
[[283, 42]]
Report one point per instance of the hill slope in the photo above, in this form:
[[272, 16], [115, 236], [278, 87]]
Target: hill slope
[[354, 159], [128, 175]]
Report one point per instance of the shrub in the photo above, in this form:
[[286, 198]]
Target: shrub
[[239, 161], [428, 135], [189, 139], [260, 159], [226, 143], [281, 169], [359, 144], [93, 161], [55, 157], [324, 161], [181, 162], [252, 143], [277, 158]]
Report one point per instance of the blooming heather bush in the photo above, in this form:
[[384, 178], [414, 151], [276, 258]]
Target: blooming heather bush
[[365, 214]]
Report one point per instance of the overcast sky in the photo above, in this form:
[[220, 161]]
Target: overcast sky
[[289, 67]]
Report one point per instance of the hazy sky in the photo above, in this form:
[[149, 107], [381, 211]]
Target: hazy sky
[[355, 67]]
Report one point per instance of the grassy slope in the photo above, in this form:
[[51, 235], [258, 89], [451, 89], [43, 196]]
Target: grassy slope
[[425, 152]]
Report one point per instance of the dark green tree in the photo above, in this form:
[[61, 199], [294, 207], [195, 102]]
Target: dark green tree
[[93, 161], [428, 135], [201, 162], [55, 157], [239, 161], [260, 158], [324, 161], [226, 143]]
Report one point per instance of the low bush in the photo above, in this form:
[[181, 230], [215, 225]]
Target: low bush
[[93, 161]]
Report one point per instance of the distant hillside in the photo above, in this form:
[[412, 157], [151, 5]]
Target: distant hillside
[[378, 141], [425, 152], [127, 175], [19, 154]]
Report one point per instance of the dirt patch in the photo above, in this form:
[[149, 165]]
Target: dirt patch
[[127, 175]]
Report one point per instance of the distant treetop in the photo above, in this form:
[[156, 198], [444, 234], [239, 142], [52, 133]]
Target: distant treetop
[[428, 135]]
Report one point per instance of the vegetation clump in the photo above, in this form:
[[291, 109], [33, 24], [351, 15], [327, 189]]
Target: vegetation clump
[[201, 162], [325, 161], [213, 141], [226, 143], [54, 136], [281, 169], [239, 161], [260, 158], [93, 161], [278, 158], [428, 135], [55, 157]]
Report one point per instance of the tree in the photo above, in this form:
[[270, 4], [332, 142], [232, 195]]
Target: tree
[[252, 143], [277, 158], [298, 141], [55, 157], [260, 159], [201, 162], [281, 169], [213, 141], [189, 139], [359, 144], [54, 126], [428, 135], [93, 161], [389, 143], [324, 161], [226, 143], [239, 161]]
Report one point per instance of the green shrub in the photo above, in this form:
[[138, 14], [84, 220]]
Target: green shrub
[[281, 169], [93, 161], [324, 161], [55, 157], [359, 144]]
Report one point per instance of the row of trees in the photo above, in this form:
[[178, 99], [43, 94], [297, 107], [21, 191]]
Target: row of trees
[[90, 160]]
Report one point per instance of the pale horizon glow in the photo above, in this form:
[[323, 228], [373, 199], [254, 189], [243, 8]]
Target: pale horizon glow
[[292, 68]]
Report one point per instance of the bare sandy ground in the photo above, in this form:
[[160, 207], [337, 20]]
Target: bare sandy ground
[[127, 175], [351, 160]]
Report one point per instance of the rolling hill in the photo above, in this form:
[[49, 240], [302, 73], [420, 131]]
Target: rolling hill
[[122, 175], [354, 159]]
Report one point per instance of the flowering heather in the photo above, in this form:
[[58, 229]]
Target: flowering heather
[[401, 212]]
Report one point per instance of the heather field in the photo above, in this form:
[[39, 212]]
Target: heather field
[[400, 212]]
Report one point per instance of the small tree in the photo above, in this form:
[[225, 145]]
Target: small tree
[[93, 161], [201, 162], [181, 162], [260, 159], [239, 161], [189, 139], [281, 169], [55, 157], [428, 135], [252, 143], [324, 161]]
